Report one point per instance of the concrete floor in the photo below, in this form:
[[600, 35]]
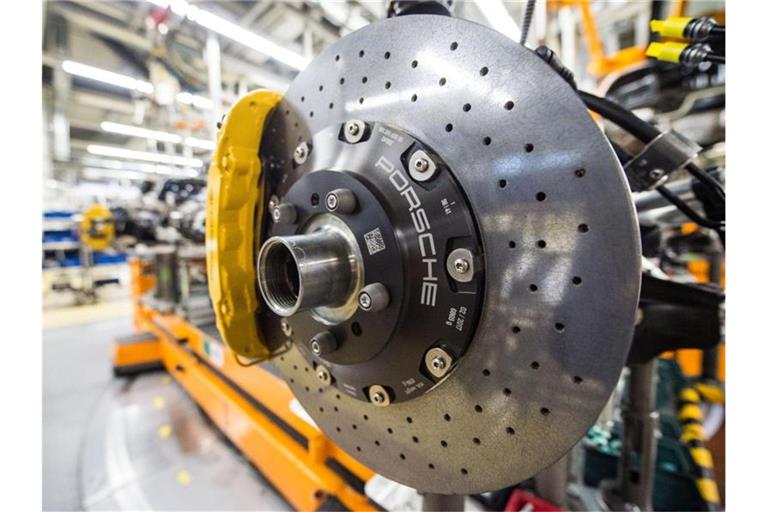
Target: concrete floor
[[130, 444]]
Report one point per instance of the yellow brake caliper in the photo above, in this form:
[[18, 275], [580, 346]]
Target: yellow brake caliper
[[234, 209]]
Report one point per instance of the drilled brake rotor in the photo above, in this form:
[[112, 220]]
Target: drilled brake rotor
[[560, 250]]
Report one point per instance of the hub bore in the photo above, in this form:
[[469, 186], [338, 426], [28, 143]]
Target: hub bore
[[301, 272]]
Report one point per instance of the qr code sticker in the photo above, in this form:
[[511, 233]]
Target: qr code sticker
[[374, 241]]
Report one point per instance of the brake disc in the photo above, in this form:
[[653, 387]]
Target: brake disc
[[507, 260]]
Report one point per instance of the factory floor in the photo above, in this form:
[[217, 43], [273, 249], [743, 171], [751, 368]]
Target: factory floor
[[128, 444]]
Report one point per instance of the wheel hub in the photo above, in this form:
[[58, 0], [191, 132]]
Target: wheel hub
[[363, 277]]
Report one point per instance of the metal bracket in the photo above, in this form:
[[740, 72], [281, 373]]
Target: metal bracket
[[659, 158]]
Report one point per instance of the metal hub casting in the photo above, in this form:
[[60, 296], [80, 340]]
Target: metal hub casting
[[365, 270], [552, 273]]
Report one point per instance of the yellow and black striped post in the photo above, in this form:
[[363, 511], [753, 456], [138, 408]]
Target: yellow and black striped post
[[690, 417]]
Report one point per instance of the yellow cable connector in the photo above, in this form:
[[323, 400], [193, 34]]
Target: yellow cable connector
[[667, 52], [671, 27]]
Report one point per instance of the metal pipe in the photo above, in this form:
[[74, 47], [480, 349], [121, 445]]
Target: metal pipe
[[301, 272], [640, 425]]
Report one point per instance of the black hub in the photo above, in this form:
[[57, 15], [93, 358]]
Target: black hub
[[396, 224]]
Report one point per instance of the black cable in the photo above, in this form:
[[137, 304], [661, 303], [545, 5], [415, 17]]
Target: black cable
[[625, 119], [643, 131], [715, 59], [530, 6], [687, 210]]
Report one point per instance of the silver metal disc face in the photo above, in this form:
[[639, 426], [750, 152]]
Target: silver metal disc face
[[562, 255]]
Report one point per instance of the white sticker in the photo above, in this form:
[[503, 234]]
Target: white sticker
[[374, 241]]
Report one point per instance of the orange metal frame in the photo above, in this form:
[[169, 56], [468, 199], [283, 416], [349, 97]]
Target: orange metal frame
[[600, 64], [251, 406]]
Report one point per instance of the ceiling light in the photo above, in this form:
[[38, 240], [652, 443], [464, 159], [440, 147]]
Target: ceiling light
[[107, 77], [199, 143], [137, 131], [200, 102], [146, 156], [234, 32]]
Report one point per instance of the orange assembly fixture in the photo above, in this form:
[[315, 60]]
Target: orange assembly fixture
[[251, 406]]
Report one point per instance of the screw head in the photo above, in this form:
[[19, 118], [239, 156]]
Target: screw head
[[323, 343], [323, 374], [656, 174], [301, 153], [438, 362], [373, 297], [420, 166], [354, 131], [461, 266], [273, 202], [284, 213], [341, 200], [331, 201], [286, 327], [378, 395]]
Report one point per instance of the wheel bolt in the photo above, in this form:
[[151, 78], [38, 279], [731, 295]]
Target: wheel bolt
[[341, 200], [284, 214], [373, 297], [322, 343]]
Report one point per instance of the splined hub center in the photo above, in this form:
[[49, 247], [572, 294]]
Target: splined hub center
[[362, 267]]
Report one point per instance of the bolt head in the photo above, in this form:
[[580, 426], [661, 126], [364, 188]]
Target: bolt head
[[354, 131], [461, 265], [331, 201], [656, 174], [420, 166], [323, 375], [315, 346], [300, 153], [276, 215], [378, 397], [364, 300], [286, 327], [438, 362]]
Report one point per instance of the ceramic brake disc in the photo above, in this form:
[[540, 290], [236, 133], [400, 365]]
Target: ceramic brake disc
[[452, 258]]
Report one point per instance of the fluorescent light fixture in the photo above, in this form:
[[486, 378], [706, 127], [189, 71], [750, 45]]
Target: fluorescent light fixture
[[234, 32], [199, 143], [129, 154], [107, 77], [130, 83], [498, 17], [200, 102], [137, 131], [96, 173]]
